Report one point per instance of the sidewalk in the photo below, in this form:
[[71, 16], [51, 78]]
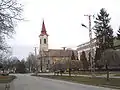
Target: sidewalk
[[99, 76]]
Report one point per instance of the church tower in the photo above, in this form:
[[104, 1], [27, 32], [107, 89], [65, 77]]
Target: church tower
[[43, 38]]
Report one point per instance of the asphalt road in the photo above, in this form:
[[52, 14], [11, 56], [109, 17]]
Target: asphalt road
[[2, 86], [27, 82]]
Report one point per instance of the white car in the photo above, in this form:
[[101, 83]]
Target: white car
[[5, 73]]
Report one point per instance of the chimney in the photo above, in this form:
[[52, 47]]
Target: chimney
[[64, 48]]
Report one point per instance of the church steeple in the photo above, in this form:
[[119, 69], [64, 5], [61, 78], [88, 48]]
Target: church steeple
[[43, 31], [43, 38]]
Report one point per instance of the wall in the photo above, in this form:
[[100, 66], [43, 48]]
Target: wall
[[42, 45], [86, 47]]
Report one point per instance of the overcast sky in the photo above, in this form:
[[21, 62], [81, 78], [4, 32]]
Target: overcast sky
[[63, 20]]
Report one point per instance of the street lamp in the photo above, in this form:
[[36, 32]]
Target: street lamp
[[90, 37], [84, 25]]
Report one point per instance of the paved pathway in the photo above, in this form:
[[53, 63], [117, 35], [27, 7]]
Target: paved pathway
[[27, 82]]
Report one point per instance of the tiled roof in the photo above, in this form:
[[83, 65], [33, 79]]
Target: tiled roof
[[59, 53]]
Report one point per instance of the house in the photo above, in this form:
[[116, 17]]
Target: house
[[112, 55], [86, 47]]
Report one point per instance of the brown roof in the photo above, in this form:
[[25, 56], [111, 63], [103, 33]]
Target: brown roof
[[59, 53], [87, 43]]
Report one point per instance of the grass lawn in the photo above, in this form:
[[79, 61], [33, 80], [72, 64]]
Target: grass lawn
[[117, 75], [87, 73], [113, 83], [7, 79]]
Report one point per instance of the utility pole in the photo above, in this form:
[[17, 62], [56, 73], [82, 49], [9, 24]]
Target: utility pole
[[35, 49], [91, 47], [41, 55], [64, 49], [69, 60]]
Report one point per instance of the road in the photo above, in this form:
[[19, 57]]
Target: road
[[27, 82]]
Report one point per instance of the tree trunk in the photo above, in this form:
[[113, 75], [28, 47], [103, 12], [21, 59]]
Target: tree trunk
[[41, 64], [36, 71], [107, 72], [3, 70], [69, 71]]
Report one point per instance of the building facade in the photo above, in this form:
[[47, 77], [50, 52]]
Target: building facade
[[47, 57], [86, 48]]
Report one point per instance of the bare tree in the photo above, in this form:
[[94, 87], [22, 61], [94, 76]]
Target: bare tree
[[10, 13], [31, 60]]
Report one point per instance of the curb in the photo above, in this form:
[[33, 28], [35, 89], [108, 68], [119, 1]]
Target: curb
[[115, 87]]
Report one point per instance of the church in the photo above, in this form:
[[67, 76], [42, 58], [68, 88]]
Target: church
[[47, 57]]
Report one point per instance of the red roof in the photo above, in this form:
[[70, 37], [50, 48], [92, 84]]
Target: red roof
[[43, 31]]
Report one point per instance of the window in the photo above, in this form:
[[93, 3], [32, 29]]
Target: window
[[40, 41], [44, 41], [48, 62], [47, 66]]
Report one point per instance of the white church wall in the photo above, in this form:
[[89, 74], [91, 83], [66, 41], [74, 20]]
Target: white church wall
[[44, 46]]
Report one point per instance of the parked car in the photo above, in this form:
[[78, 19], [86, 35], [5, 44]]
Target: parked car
[[5, 73]]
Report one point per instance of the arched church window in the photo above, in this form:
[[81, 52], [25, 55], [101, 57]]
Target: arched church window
[[44, 41]]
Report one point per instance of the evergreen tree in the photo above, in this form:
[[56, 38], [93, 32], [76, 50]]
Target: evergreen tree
[[97, 59], [103, 31], [118, 34], [73, 56], [104, 34], [84, 60]]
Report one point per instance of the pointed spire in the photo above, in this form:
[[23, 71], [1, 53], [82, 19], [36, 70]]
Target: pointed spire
[[43, 27], [43, 31]]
